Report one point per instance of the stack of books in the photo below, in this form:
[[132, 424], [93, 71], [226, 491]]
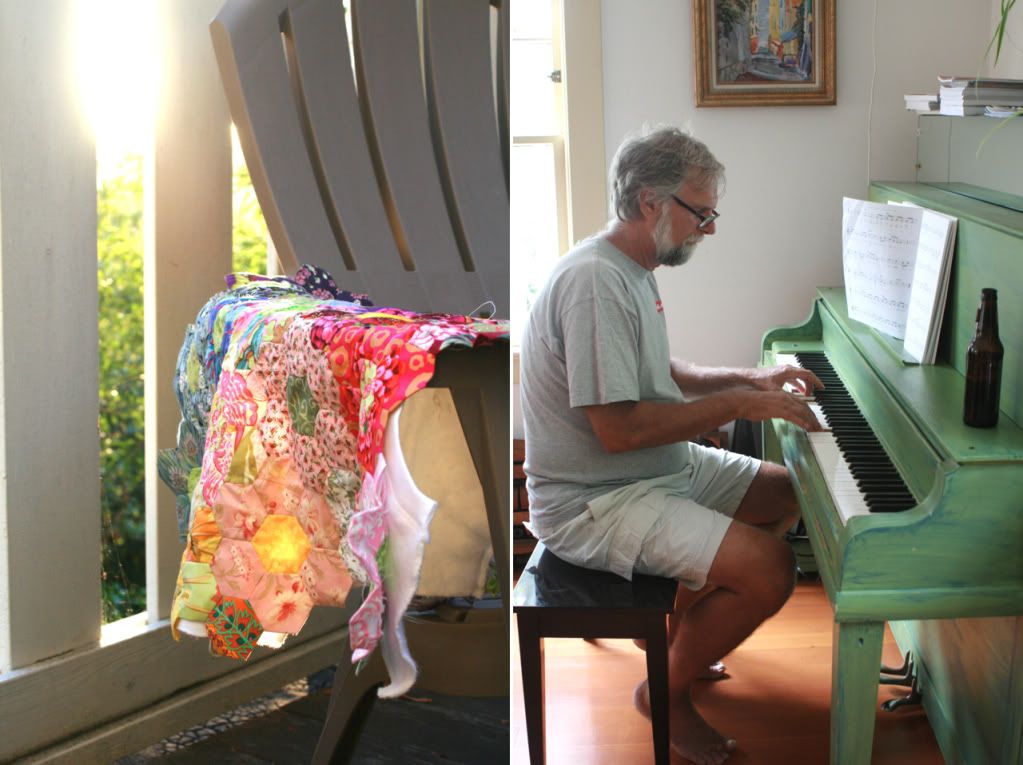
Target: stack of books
[[1002, 112], [962, 96], [922, 102]]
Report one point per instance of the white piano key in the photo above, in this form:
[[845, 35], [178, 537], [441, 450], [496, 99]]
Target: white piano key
[[791, 360], [819, 414], [839, 479], [787, 358]]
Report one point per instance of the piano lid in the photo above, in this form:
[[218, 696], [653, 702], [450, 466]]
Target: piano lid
[[981, 194]]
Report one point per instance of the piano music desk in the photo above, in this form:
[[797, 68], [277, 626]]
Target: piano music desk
[[935, 569]]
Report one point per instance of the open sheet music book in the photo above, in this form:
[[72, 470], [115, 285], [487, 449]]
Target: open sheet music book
[[897, 260]]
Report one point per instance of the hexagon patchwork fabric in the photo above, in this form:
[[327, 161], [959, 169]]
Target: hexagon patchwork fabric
[[286, 387], [233, 627]]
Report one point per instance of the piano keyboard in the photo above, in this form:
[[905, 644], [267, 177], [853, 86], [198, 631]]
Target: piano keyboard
[[856, 467]]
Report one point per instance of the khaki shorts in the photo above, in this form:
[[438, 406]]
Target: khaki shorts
[[670, 526]]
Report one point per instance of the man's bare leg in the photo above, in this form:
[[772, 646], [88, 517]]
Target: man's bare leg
[[684, 598], [751, 578], [754, 574], [770, 504]]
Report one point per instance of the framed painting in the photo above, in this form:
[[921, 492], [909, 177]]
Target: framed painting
[[764, 52]]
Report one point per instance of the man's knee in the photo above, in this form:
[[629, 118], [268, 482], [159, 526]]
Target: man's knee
[[780, 573], [792, 510], [757, 564], [785, 499], [770, 501]]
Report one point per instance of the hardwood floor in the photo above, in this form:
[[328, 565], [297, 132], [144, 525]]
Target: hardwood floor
[[775, 702]]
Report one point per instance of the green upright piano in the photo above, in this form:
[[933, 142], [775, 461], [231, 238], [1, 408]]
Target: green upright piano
[[945, 570]]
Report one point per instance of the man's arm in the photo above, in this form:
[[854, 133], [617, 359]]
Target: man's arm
[[627, 425], [695, 381]]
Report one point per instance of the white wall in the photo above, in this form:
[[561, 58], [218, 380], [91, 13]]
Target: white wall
[[787, 167]]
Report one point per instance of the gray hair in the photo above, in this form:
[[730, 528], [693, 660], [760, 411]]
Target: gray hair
[[659, 160]]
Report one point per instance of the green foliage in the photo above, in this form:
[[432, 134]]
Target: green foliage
[[996, 43], [999, 33], [121, 432], [121, 420], [250, 236]]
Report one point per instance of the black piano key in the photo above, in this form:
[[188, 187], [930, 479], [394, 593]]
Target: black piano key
[[891, 498], [877, 478], [889, 493], [878, 474], [880, 485]]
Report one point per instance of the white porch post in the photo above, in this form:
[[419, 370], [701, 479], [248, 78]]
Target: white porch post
[[187, 247], [49, 400]]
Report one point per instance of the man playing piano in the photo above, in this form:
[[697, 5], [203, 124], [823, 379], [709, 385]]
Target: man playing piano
[[615, 481]]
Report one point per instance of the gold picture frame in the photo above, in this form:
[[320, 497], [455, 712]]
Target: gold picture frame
[[764, 52]]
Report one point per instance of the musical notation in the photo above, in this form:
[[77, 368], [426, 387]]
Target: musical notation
[[876, 216], [873, 278], [895, 262], [890, 262], [882, 238], [879, 321]]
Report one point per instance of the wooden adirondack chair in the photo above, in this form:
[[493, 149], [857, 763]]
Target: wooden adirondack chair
[[393, 176]]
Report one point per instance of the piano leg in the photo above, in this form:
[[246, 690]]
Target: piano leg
[[856, 655]]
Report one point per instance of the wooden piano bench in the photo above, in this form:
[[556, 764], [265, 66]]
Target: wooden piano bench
[[553, 598]]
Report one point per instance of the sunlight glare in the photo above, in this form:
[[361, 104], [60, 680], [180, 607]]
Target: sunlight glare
[[117, 66]]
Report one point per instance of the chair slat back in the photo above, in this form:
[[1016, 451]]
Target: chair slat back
[[459, 85], [322, 72], [390, 177], [391, 90], [247, 41]]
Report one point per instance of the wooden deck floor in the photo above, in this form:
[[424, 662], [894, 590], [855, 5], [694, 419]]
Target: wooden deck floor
[[775, 703], [419, 729]]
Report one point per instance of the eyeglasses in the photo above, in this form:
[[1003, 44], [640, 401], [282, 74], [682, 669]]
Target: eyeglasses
[[705, 220]]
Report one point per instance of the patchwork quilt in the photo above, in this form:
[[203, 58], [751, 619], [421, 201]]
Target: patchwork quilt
[[284, 493]]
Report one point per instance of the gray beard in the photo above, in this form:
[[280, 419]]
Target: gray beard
[[664, 252], [676, 256]]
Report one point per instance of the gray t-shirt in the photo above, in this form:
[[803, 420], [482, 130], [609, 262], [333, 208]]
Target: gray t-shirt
[[596, 335]]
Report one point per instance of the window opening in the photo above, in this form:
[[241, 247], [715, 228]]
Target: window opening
[[539, 227]]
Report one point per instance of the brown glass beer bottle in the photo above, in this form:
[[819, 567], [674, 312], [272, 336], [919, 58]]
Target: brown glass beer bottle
[[984, 366]]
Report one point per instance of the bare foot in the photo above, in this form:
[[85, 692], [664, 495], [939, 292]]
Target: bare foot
[[716, 671], [691, 736]]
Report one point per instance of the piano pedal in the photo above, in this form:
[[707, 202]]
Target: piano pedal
[[905, 672], [905, 676]]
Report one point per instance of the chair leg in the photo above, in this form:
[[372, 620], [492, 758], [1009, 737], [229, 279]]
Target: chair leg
[[351, 701], [531, 657], [657, 680], [478, 382]]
